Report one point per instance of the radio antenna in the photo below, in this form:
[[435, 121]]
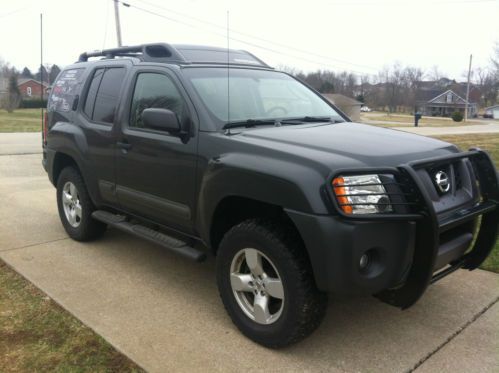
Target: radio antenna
[[228, 74], [41, 68]]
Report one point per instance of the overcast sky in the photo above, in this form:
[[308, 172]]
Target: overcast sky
[[355, 35]]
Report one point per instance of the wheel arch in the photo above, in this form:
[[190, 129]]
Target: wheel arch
[[61, 161], [232, 210]]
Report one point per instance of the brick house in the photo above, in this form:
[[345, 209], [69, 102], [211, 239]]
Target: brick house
[[31, 88]]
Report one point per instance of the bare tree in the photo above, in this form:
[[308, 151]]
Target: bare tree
[[435, 73], [12, 98], [495, 60], [290, 70]]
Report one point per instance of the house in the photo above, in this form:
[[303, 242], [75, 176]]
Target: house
[[442, 103], [346, 104], [492, 112], [31, 88]]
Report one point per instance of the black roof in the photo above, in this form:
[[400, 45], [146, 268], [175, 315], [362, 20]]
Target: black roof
[[179, 54]]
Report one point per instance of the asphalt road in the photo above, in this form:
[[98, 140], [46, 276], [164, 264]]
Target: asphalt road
[[163, 311]]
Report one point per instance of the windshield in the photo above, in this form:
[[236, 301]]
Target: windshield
[[255, 95]]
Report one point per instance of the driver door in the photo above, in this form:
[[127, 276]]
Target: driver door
[[155, 169]]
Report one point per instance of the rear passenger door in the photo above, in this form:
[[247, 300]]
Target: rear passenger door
[[155, 169], [98, 114]]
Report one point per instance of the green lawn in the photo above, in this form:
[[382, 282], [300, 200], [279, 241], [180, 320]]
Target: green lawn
[[36, 335], [490, 143], [21, 120], [405, 120]]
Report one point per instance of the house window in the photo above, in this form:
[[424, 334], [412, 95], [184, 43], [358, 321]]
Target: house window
[[449, 98], [28, 91]]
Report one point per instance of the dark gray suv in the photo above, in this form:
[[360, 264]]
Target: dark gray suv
[[210, 151]]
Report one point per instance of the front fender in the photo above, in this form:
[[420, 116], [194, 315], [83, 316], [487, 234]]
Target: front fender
[[270, 180]]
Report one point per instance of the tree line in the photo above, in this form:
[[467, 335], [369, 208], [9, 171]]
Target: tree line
[[396, 87], [10, 76]]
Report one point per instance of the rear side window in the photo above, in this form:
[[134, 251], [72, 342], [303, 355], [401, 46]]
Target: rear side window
[[92, 92], [103, 94], [64, 90]]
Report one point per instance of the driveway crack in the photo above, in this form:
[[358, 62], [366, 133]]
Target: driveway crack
[[31, 245], [453, 335]]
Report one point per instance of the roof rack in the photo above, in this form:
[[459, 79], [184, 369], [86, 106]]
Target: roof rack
[[158, 52], [179, 54]]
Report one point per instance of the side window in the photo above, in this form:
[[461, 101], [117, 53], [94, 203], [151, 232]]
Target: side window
[[92, 93], [103, 94], [153, 90], [108, 95]]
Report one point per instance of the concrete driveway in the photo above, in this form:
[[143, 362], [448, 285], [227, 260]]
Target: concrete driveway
[[164, 312]]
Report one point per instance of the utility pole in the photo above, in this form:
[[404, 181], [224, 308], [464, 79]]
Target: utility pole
[[467, 91], [117, 21]]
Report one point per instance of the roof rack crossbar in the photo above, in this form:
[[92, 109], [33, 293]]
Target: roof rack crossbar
[[145, 52], [178, 54]]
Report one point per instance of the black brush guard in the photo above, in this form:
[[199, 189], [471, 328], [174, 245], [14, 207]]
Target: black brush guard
[[421, 273]]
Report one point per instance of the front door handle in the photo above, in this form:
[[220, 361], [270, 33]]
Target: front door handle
[[124, 146]]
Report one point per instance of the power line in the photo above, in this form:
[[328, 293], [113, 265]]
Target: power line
[[14, 12], [240, 40], [259, 38], [404, 3]]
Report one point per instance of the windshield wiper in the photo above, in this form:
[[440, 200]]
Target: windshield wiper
[[309, 119], [278, 122], [249, 123]]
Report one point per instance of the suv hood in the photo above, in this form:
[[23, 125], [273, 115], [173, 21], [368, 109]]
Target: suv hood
[[348, 144]]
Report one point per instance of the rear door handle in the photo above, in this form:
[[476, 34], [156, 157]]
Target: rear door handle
[[124, 146]]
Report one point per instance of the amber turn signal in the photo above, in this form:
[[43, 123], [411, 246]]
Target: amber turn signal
[[340, 192]]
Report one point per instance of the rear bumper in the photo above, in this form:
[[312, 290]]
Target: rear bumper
[[410, 251]]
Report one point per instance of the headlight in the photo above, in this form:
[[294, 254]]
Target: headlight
[[362, 194]]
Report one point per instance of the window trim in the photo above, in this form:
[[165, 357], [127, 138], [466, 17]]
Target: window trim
[[28, 91], [189, 107], [88, 83]]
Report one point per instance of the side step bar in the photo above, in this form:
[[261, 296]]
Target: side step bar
[[170, 243]]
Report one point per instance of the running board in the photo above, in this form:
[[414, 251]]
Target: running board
[[120, 222]]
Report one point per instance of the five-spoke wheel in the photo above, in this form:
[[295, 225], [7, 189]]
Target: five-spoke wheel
[[76, 207], [257, 286], [266, 283], [71, 203]]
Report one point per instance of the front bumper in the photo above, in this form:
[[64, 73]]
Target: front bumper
[[409, 250]]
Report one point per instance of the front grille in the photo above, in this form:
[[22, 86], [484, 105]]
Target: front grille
[[462, 191], [457, 177]]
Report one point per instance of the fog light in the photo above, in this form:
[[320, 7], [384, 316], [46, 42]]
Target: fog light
[[364, 261]]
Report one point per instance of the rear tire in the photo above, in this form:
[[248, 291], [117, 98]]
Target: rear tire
[[75, 207], [266, 284]]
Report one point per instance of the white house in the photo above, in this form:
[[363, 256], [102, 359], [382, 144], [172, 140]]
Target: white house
[[492, 112]]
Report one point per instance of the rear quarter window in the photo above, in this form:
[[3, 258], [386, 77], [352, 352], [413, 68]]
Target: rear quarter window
[[64, 90]]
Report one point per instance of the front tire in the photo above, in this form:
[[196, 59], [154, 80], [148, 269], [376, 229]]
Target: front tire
[[75, 207], [266, 283]]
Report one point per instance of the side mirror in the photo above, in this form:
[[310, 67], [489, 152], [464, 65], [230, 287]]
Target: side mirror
[[161, 119]]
